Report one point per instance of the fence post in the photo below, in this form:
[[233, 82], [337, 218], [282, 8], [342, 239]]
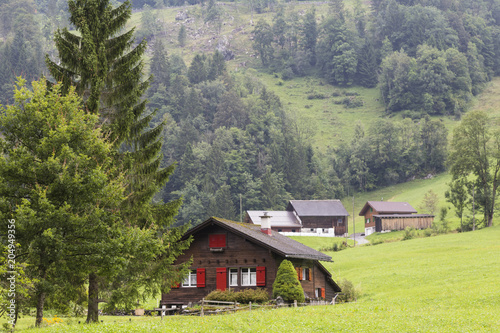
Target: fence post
[[295, 303], [202, 303], [250, 306]]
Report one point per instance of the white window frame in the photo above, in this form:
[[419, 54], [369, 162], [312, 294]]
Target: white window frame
[[251, 274], [233, 277], [190, 280], [304, 275]]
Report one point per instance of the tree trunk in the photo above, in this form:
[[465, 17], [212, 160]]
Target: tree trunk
[[93, 303], [39, 308]]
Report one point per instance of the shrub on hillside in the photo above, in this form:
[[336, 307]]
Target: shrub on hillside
[[428, 232], [349, 293], [316, 96], [352, 102], [219, 295], [336, 247], [376, 241], [409, 233], [258, 295], [287, 284], [246, 296]]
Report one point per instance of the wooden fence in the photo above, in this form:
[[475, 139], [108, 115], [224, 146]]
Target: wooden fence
[[219, 307]]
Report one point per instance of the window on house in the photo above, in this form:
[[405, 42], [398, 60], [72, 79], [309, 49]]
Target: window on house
[[367, 220], [371, 209], [319, 292], [340, 221], [190, 280], [305, 274], [217, 240], [233, 277], [249, 276]]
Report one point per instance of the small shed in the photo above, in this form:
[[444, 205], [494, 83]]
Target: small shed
[[402, 221], [385, 216]]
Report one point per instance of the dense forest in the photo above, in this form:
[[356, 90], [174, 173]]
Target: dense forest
[[232, 138]]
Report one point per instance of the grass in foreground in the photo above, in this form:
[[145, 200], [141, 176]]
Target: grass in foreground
[[446, 283]]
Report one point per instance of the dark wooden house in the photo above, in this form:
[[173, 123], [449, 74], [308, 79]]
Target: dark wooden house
[[307, 216], [237, 256], [386, 216], [321, 214]]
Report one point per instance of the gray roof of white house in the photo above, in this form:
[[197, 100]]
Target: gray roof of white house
[[318, 207], [278, 218]]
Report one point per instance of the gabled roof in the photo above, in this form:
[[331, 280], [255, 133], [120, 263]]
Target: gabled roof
[[406, 216], [318, 207], [280, 218], [277, 243], [386, 207]]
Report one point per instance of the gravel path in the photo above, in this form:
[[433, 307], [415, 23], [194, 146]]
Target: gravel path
[[360, 240]]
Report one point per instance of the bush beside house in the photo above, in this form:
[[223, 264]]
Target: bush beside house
[[287, 284]]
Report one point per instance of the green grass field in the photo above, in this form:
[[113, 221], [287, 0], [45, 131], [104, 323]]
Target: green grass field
[[446, 283]]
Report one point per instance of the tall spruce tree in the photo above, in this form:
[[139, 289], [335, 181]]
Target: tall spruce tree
[[107, 73]]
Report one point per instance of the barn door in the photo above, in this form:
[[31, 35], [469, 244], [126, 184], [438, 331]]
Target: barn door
[[221, 278], [378, 224]]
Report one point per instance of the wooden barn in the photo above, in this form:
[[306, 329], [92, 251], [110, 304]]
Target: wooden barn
[[307, 216], [400, 222], [386, 216], [237, 256]]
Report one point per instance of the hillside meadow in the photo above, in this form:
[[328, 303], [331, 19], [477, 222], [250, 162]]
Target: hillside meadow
[[446, 283]]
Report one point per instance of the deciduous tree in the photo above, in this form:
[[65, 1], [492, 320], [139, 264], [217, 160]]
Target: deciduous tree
[[475, 159], [62, 186]]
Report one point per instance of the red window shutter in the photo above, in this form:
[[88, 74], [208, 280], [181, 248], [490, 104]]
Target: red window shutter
[[323, 292], [200, 277], [261, 276], [300, 273], [217, 240], [310, 274], [221, 278]]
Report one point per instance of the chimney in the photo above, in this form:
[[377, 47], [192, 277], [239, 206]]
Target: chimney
[[265, 224]]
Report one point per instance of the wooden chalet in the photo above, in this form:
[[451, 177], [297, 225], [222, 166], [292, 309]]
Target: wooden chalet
[[237, 256], [311, 216], [386, 216]]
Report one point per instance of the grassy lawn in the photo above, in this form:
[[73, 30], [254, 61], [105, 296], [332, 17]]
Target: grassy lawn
[[319, 243], [439, 284]]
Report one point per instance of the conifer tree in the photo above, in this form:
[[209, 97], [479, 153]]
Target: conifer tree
[[367, 75], [107, 73], [286, 284], [160, 67], [197, 71], [182, 36], [310, 33]]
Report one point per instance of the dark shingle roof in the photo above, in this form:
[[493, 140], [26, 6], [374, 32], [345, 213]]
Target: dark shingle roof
[[387, 207], [278, 243], [318, 207], [407, 216]]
